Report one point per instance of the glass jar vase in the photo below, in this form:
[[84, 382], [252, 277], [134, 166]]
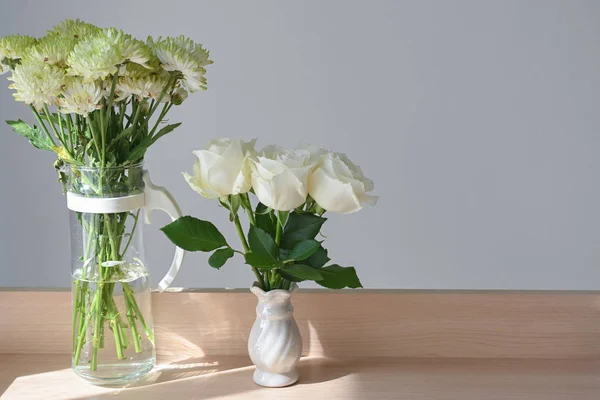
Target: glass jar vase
[[113, 332]]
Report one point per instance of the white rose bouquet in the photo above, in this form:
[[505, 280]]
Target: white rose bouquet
[[294, 188], [100, 98]]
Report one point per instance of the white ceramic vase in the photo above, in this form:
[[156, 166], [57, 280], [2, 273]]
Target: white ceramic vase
[[275, 344]]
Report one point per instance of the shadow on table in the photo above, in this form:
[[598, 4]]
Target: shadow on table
[[217, 377]]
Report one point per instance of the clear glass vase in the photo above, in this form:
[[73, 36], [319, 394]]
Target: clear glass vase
[[113, 332]]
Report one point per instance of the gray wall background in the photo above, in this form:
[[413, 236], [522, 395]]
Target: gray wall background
[[477, 120]]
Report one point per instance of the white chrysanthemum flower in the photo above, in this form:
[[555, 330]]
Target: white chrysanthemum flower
[[52, 49], [37, 83], [148, 85], [136, 51], [80, 97], [75, 29], [94, 57], [12, 49], [99, 55], [183, 55]]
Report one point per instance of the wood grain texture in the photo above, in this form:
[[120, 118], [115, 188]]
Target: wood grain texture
[[339, 324], [321, 378]]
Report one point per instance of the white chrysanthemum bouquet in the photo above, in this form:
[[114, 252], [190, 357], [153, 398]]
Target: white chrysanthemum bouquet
[[100, 98], [293, 189]]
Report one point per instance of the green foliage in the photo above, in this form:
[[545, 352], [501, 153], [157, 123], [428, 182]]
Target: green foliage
[[262, 244], [265, 219], [193, 234], [336, 277], [299, 227], [302, 272], [303, 250], [261, 262], [138, 152], [164, 131], [319, 258], [35, 136], [220, 257]]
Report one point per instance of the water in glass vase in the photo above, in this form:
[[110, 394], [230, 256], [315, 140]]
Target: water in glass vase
[[115, 345]]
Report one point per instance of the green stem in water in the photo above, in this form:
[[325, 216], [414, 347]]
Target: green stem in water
[[132, 325], [129, 294]]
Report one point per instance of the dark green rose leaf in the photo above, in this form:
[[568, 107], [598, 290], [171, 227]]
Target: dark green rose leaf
[[262, 244], [265, 219], [304, 249], [336, 277], [220, 257], [318, 259], [261, 262], [302, 272], [193, 234], [289, 277], [299, 227]]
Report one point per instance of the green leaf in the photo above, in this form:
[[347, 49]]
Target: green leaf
[[261, 262], [289, 277], [36, 136], [262, 243], [193, 234], [319, 258], [336, 277], [53, 118], [301, 226], [164, 131], [303, 250], [140, 149], [303, 272], [265, 219], [122, 135], [220, 257]]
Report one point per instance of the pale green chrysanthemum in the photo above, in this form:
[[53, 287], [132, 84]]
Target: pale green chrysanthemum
[[80, 97], [99, 55], [73, 29], [137, 52], [12, 49], [143, 85], [53, 49], [183, 55], [37, 83]]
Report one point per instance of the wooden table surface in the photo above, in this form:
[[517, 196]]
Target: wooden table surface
[[358, 345], [50, 377]]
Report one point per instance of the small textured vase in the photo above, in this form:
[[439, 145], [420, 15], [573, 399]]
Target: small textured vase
[[275, 344]]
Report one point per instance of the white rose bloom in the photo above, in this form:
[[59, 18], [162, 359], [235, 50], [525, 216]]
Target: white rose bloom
[[222, 169], [338, 185], [279, 177]]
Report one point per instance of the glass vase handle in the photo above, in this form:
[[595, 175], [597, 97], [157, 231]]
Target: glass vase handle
[[158, 198]]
